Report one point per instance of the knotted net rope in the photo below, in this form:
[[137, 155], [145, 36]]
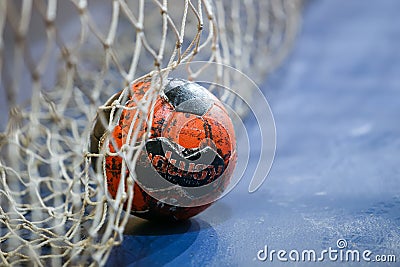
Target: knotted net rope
[[59, 63]]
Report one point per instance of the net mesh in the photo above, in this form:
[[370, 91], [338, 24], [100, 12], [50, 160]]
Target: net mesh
[[59, 63]]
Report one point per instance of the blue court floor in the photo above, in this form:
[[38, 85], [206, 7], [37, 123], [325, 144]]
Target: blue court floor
[[336, 175]]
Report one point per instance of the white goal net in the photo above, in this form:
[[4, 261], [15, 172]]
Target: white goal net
[[60, 60]]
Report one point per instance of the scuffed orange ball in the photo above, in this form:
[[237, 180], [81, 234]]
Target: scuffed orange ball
[[191, 145]]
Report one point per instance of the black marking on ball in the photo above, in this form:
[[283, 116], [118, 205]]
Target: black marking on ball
[[178, 165], [207, 129], [188, 97]]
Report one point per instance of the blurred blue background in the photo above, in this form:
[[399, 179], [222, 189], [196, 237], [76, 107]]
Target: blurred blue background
[[336, 174]]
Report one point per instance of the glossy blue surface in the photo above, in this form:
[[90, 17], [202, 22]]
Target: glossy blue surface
[[336, 174]]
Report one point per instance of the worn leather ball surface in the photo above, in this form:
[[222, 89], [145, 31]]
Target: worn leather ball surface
[[190, 145]]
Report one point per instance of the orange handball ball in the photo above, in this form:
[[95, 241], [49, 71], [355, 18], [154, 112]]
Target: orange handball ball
[[189, 155]]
